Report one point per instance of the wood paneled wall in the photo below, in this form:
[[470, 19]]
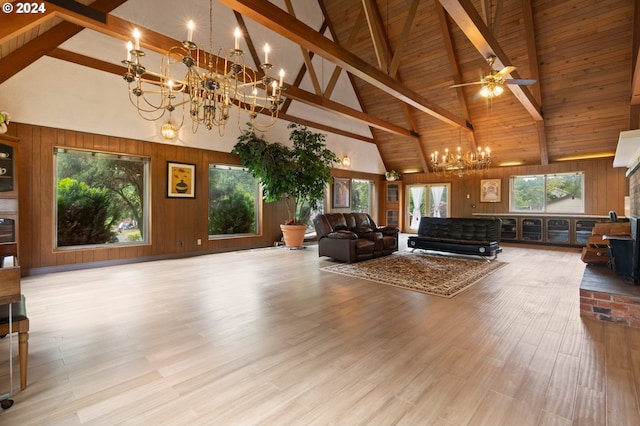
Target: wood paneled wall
[[175, 220], [172, 219], [605, 186]]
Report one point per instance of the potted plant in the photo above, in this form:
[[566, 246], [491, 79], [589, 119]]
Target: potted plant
[[5, 119], [392, 175], [299, 174]]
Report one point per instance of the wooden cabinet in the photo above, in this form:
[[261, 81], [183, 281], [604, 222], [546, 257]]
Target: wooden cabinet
[[546, 228], [583, 230], [509, 228], [558, 231], [392, 208], [531, 229], [8, 190]]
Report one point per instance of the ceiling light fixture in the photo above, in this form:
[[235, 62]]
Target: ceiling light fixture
[[169, 131], [491, 90], [205, 87]]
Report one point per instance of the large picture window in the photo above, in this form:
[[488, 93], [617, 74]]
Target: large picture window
[[551, 193], [101, 198], [233, 201]]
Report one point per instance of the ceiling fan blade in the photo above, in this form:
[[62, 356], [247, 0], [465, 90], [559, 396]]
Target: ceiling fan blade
[[466, 84], [505, 71], [520, 81]]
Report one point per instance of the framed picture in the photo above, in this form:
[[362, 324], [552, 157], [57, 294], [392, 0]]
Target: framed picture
[[490, 190], [181, 180], [341, 192]]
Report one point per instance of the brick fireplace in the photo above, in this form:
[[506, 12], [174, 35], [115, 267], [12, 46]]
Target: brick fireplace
[[605, 296]]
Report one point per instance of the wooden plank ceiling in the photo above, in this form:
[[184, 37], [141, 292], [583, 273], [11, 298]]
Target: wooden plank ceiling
[[402, 56]]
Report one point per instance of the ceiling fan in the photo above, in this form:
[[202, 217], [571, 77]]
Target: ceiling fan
[[493, 81]]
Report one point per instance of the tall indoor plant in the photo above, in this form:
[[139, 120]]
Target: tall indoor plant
[[299, 174]]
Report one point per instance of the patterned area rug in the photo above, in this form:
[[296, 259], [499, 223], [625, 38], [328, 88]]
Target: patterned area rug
[[442, 275]]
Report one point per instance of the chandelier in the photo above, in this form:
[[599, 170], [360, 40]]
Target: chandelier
[[461, 163], [204, 86]]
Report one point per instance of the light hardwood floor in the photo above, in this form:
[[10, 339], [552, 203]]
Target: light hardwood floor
[[266, 337]]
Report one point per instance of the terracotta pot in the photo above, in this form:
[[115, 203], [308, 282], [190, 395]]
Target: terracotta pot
[[293, 235]]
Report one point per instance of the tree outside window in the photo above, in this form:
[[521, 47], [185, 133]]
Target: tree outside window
[[233, 201], [101, 198], [552, 193], [361, 195]]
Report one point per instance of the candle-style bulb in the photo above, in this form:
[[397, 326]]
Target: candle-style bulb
[[136, 38], [129, 49], [281, 76], [190, 27], [236, 36], [266, 53]]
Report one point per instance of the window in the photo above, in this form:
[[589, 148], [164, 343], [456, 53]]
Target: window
[[101, 198], [427, 200], [233, 201], [552, 193], [361, 199]]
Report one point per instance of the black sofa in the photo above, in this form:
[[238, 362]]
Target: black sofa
[[351, 237], [474, 236]]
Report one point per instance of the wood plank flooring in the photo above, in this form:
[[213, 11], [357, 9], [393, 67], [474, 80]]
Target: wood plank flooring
[[266, 337]]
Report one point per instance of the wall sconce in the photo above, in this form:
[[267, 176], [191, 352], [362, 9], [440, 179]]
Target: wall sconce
[[346, 161]]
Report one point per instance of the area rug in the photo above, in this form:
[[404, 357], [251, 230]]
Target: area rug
[[438, 275]]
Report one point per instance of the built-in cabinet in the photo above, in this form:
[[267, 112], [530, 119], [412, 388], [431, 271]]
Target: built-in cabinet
[[8, 190], [558, 231], [393, 199], [547, 229]]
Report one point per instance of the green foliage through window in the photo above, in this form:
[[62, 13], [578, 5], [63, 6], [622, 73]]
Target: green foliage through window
[[101, 198], [361, 195], [233, 201], [551, 193]]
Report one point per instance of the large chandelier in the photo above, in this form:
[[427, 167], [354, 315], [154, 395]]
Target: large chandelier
[[460, 163], [204, 86]]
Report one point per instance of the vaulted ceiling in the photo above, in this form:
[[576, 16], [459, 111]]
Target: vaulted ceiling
[[379, 71]]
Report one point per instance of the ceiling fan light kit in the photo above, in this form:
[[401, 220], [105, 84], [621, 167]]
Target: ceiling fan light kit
[[493, 81], [210, 87]]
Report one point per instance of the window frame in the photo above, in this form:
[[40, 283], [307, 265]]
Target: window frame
[[259, 203], [545, 201], [146, 197]]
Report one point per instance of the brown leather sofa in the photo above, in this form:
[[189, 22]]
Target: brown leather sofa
[[351, 237]]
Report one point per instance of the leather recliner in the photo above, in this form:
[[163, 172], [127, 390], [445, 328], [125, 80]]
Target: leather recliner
[[352, 237]]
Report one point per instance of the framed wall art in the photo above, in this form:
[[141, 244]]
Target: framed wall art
[[490, 190], [341, 192], [181, 180]]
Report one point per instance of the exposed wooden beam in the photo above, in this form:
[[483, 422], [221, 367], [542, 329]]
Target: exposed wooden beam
[[378, 34], [325, 128], [20, 58], [471, 24], [277, 20], [455, 71], [532, 51], [331, 106], [247, 38], [17, 60], [20, 24], [381, 39], [395, 61]]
